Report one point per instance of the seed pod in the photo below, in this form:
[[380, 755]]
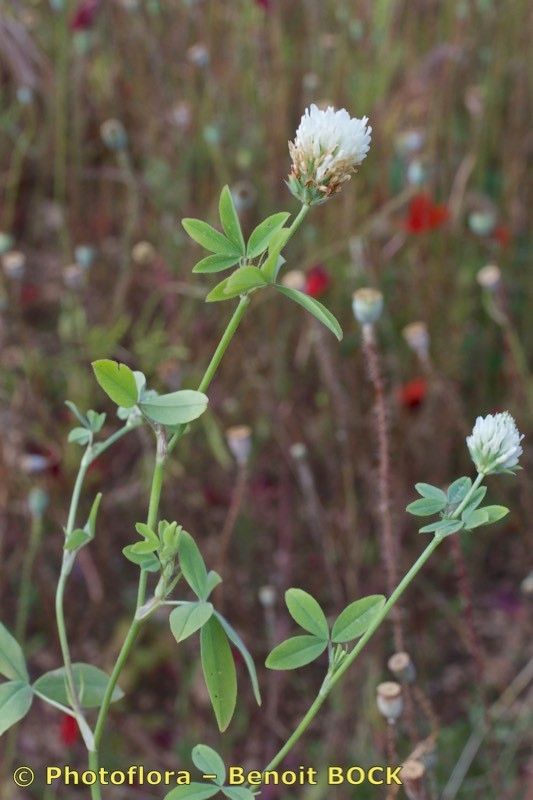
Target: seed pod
[[402, 667], [367, 305], [239, 439], [390, 701]]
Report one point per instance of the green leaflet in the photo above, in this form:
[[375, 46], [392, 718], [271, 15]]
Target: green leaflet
[[219, 671], [118, 382], [296, 652]]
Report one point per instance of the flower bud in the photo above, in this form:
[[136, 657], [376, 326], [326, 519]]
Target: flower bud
[[402, 667], [489, 277], [114, 134], [417, 338], [239, 439], [14, 264], [143, 254], [389, 700], [494, 444], [367, 305]]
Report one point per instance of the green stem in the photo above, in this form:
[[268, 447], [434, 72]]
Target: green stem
[[350, 658], [155, 495], [346, 663], [458, 511], [212, 367], [66, 567], [90, 455], [151, 521]]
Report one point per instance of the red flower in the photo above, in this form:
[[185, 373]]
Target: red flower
[[264, 4], [413, 393], [424, 214], [317, 281], [84, 15], [502, 235], [69, 732]]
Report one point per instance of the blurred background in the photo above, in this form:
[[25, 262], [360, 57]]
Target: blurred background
[[95, 264]]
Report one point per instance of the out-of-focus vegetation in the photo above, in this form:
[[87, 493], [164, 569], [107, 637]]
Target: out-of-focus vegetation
[[208, 93]]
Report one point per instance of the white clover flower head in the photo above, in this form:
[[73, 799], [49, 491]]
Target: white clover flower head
[[495, 444], [328, 147]]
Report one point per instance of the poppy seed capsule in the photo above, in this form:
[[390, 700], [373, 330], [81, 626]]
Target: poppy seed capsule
[[14, 264], [294, 279], [267, 596], [239, 439], [402, 667], [367, 305], [390, 701], [143, 253], [298, 451], [489, 277], [417, 338], [114, 134]]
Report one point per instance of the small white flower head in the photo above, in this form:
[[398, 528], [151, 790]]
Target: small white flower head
[[489, 277], [328, 147], [495, 444], [367, 305]]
